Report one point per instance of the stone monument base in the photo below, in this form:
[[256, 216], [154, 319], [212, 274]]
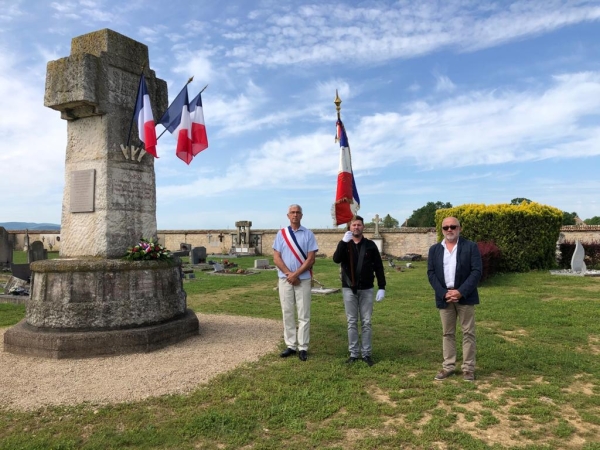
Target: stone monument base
[[24, 339], [94, 307]]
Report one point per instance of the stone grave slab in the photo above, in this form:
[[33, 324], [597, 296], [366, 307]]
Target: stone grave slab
[[37, 252], [198, 255], [21, 271], [261, 264], [5, 248]]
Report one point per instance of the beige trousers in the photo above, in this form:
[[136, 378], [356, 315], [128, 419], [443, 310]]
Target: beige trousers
[[295, 299], [449, 316]]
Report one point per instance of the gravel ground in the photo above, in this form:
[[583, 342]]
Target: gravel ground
[[224, 342]]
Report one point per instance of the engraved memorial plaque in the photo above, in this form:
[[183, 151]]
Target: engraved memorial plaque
[[82, 190]]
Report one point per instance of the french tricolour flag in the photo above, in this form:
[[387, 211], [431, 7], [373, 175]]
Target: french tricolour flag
[[199, 138], [145, 119], [177, 120], [347, 201]]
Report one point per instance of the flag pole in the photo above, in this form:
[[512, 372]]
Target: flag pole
[[338, 106], [338, 103], [188, 82], [132, 117]]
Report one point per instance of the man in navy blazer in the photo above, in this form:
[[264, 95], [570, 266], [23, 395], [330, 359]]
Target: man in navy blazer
[[454, 270]]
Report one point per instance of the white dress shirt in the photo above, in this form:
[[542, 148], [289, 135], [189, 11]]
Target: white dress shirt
[[450, 264]]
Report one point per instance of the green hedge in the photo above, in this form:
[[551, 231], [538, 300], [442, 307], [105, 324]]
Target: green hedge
[[526, 234]]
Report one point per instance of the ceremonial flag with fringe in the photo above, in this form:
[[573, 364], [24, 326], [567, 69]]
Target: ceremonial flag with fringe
[[347, 202]]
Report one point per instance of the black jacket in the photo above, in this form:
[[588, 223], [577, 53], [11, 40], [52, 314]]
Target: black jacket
[[372, 265], [468, 272]]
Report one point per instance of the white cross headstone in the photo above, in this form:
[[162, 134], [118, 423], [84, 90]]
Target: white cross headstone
[[376, 220]]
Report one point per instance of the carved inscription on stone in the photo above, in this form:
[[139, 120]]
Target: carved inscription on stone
[[82, 190], [132, 191]]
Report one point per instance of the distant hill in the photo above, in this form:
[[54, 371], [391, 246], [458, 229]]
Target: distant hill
[[29, 226]]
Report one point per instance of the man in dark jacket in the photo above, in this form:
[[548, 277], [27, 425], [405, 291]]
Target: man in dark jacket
[[454, 270], [361, 262]]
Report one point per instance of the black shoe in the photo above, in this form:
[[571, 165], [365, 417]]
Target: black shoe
[[351, 360], [368, 360], [287, 352], [303, 355]]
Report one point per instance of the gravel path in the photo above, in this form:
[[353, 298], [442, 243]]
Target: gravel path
[[224, 342]]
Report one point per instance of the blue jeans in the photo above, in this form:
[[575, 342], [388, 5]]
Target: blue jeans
[[355, 304]]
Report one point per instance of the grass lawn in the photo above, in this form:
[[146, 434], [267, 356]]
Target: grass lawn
[[537, 387]]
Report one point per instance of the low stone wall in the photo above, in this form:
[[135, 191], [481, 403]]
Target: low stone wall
[[583, 234], [50, 238], [396, 241]]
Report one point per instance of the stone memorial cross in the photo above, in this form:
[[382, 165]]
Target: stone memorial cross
[[109, 199], [376, 220]]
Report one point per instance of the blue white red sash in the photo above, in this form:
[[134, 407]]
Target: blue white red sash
[[290, 239]]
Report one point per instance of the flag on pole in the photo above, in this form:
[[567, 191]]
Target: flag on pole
[[145, 120], [176, 120], [199, 137], [347, 201]]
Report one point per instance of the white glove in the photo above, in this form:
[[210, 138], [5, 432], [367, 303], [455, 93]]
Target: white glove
[[380, 295], [347, 236]]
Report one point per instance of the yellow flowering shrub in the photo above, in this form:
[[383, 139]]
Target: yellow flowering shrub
[[526, 234]]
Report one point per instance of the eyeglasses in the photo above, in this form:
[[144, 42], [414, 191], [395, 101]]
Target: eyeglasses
[[450, 227]]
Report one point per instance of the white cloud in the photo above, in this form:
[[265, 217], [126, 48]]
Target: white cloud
[[10, 10], [271, 165], [326, 34], [491, 127], [33, 145], [444, 84], [478, 128]]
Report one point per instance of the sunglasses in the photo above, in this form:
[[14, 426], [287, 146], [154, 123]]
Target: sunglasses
[[450, 227]]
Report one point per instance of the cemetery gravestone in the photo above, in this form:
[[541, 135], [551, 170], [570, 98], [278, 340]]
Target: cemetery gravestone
[[577, 264], [36, 252], [377, 239], [26, 241], [6, 250], [21, 271], [376, 221], [261, 263], [198, 255]]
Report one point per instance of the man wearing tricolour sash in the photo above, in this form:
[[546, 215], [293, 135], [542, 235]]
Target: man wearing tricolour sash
[[294, 252]]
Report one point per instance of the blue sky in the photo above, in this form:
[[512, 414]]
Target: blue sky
[[452, 101]]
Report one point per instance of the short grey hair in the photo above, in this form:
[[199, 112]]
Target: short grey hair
[[295, 206]]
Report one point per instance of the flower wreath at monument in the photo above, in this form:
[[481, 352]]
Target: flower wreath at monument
[[148, 249]]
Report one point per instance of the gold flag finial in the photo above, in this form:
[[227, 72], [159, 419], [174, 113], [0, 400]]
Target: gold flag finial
[[338, 102]]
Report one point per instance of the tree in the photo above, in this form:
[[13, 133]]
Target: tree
[[425, 216], [519, 200], [569, 218], [593, 221], [390, 222]]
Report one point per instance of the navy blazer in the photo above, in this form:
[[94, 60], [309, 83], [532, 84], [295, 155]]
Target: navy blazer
[[468, 272]]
